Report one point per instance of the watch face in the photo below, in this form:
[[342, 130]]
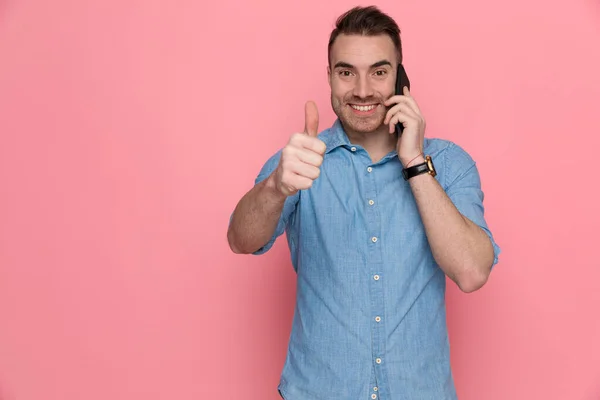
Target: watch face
[[430, 166]]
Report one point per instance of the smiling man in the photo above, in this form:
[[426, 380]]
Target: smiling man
[[375, 223]]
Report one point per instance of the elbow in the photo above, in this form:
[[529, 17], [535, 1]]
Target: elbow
[[472, 280], [233, 246], [474, 273], [235, 249]]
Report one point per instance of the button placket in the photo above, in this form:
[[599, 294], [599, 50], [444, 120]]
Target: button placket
[[375, 254]]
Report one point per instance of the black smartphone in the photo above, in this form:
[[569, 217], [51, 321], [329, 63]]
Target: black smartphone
[[401, 81]]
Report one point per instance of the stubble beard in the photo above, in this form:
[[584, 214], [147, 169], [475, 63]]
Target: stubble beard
[[357, 124]]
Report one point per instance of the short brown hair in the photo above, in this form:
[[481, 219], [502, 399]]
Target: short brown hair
[[367, 21]]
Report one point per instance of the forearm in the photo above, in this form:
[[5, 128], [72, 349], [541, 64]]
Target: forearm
[[462, 249], [255, 217]]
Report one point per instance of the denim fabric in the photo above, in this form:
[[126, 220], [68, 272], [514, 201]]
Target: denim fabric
[[370, 316]]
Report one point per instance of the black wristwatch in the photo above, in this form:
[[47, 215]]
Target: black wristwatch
[[426, 167]]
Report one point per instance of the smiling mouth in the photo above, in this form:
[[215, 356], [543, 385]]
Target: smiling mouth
[[363, 107]]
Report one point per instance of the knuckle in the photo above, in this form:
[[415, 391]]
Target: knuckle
[[321, 147], [316, 145], [285, 177], [295, 139], [286, 152], [295, 136], [287, 167], [302, 183]]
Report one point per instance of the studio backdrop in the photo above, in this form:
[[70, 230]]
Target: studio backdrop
[[129, 130]]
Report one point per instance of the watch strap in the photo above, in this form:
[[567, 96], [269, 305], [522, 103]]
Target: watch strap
[[426, 167]]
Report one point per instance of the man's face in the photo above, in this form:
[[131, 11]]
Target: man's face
[[362, 75]]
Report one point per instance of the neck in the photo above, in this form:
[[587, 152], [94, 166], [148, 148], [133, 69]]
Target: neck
[[378, 143]]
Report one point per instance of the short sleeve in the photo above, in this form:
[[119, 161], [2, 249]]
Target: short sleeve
[[463, 187], [289, 206]]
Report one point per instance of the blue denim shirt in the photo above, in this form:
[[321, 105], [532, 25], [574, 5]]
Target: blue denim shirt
[[370, 316]]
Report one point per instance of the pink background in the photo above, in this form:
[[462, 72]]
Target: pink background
[[130, 129]]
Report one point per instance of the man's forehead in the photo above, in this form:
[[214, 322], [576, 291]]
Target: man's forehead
[[362, 48]]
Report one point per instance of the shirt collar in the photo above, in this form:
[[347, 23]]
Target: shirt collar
[[335, 137]]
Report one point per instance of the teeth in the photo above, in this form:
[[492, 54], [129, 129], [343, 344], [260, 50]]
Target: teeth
[[363, 108]]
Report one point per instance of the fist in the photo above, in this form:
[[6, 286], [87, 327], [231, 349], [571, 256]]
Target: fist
[[302, 157]]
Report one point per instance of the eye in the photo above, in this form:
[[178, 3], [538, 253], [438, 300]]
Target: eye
[[344, 73], [380, 72]]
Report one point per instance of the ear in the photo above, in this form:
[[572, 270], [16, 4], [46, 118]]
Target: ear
[[329, 75]]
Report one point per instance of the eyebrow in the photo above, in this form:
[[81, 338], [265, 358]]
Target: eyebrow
[[342, 64]]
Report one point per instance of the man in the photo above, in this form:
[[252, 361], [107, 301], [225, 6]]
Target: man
[[371, 245]]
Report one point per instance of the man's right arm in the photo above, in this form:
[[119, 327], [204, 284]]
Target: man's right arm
[[256, 216], [258, 213]]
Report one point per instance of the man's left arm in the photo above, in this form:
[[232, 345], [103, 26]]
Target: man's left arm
[[456, 230], [461, 248]]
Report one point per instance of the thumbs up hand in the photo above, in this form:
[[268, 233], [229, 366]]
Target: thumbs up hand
[[302, 157]]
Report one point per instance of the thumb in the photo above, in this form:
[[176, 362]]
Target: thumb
[[311, 119]]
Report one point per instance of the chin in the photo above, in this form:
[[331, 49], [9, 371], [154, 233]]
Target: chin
[[364, 128], [362, 125], [357, 124]]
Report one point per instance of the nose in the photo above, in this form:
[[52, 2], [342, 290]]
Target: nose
[[363, 88]]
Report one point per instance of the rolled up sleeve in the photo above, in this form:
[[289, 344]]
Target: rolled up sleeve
[[289, 206], [463, 187]]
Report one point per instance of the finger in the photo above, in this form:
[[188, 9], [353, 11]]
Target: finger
[[391, 112], [288, 190], [293, 182], [404, 108], [310, 157], [300, 182], [306, 170], [401, 118], [392, 100], [394, 121], [404, 99], [313, 144], [311, 119], [411, 101]]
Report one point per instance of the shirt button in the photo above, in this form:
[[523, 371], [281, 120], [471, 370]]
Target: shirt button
[[376, 277], [373, 396], [375, 389], [378, 319], [353, 148], [374, 239], [369, 169], [378, 361], [371, 202]]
